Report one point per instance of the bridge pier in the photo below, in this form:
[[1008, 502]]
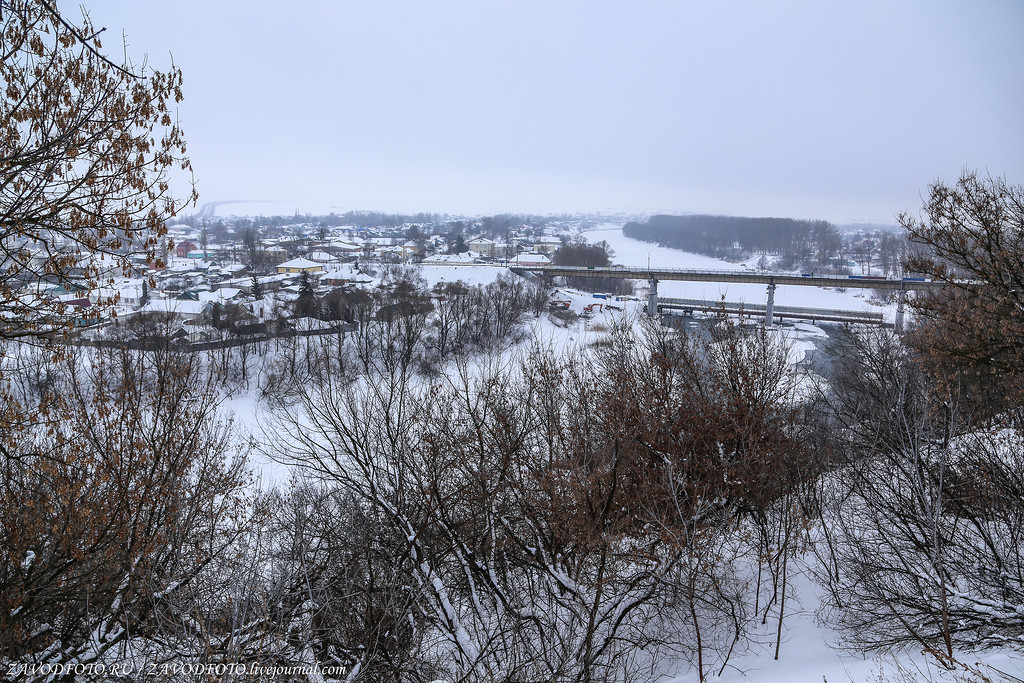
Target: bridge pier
[[901, 304], [652, 298], [769, 313]]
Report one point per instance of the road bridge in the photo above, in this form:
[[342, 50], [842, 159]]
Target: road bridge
[[773, 280]]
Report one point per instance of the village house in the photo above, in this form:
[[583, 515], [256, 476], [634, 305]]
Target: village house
[[529, 259], [320, 257], [272, 253], [183, 248], [184, 308], [221, 295], [300, 265], [482, 246], [128, 294], [547, 245], [344, 248]]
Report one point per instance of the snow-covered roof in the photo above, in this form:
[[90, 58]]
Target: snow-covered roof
[[311, 324], [222, 294], [180, 306], [530, 259], [299, 263]]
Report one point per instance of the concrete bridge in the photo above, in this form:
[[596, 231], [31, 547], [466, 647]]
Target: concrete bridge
[[773, 280]]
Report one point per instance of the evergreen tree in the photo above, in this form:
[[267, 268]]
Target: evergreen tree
[[306, 305], [305, 285]]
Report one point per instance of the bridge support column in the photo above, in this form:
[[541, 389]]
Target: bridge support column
[[652, 299], [900, 305], [769, 313]]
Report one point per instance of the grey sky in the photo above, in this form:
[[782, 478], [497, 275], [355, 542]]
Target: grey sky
[[839, 110]]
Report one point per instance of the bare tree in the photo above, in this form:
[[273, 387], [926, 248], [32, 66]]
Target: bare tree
[[116, 495], [549, 513], [87, 149], [971, 236], [925, 514]]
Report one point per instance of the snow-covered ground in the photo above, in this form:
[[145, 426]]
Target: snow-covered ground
[[470, 273], [807, 652]]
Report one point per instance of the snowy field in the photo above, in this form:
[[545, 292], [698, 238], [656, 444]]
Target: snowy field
[[470, 273], [810, 652]]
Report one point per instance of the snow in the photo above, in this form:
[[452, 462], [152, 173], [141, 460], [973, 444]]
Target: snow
[[468, 272], [249, 415], [807, 651], [30, 557]]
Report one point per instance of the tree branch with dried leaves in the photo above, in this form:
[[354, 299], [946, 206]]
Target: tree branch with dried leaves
[[87, 151]]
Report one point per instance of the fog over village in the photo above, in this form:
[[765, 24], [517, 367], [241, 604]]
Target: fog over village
[[462, 342]]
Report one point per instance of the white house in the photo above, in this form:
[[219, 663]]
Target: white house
[[186, 309], [482, 246], [547, 245], [529, 259]]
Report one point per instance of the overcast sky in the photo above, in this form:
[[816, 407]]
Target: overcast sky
[[825, 109]]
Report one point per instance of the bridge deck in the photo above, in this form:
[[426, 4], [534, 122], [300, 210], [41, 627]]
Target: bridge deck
[[805, 280]]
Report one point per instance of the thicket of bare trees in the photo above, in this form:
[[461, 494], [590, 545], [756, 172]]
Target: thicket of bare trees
[[570, 518], [118, 490], [923, 514], [812, 243], [925, 519], [403, 322]]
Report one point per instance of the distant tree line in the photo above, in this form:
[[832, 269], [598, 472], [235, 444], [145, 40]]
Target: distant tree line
[[360, 219], [370, 219], [792, 241]]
